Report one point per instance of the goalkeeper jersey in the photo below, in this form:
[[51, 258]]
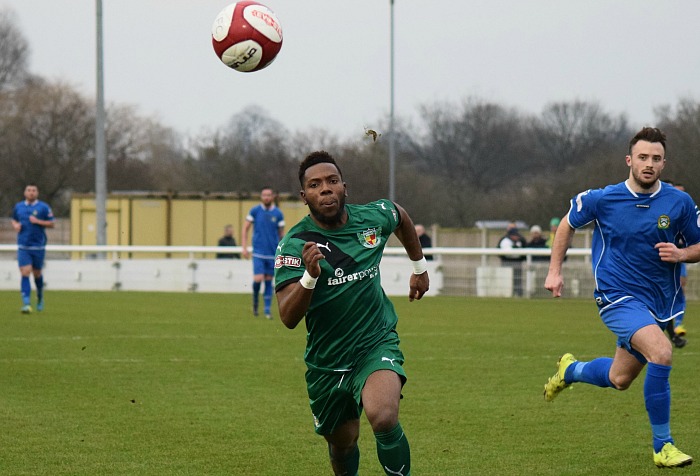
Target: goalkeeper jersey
[[349, 312]]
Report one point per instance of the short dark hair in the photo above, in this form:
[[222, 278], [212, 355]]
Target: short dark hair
[[649, 134], [318, 157]]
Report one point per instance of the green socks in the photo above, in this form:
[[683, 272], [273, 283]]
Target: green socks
[[393, 451], [350, 464]]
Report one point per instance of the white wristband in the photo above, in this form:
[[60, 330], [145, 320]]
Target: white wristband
[[420, 266], [307, 281]]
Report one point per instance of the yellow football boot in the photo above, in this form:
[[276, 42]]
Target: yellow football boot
[[556, 383]]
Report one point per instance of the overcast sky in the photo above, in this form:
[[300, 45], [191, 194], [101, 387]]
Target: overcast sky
[[334, 73]]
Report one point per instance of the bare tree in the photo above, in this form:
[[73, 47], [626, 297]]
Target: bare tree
[[14, 51], [256, 153], [142, 154], [47, 137], [568, 132], [478, 146], [304, 142], [682, 127]]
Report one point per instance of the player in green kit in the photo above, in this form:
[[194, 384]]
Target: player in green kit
[[327, 271]]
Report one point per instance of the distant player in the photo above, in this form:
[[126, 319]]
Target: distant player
[[678, 330], [636, 265], [267, 222], [30, 218]]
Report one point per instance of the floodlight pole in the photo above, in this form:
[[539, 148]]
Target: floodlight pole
[[392, 138], [100, 148]]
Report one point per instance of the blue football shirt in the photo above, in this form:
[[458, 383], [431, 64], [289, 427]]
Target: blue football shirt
[[31, 236], [266, 225], [627, 227]]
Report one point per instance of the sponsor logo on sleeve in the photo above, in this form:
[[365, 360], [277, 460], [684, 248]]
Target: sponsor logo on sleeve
[[289, 261]]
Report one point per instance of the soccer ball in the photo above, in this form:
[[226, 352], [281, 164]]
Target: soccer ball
[[246, 36]]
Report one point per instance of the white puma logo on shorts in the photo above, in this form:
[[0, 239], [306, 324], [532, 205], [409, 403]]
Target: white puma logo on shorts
[[387, 359]]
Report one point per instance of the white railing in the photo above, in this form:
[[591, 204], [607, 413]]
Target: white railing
[[458, 271], [392, 251]]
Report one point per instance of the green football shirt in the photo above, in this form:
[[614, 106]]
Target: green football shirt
[[349, 313]]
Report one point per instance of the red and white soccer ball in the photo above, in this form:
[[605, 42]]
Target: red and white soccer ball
[[247, 36]]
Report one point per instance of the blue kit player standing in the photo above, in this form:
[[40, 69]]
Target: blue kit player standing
[[636, 265], [30, 218], [267, 222]]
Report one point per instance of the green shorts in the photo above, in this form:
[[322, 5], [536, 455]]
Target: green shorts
[[336, 398]]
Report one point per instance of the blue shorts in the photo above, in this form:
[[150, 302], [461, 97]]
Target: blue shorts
[[264, 266], [684, 270], [35, 258], [626, 317]]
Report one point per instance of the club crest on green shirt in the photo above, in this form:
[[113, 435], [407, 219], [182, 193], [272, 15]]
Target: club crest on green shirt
[[371, 237]]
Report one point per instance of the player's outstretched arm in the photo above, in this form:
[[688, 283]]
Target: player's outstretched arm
[[406, 233], [418, 285], [244, 239], [562, 242], [294, 299]]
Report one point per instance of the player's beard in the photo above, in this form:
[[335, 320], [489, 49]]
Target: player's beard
[[330, 220], [644, 182]]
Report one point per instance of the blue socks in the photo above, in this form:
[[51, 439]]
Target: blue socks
[[256, 293], [657, 397], [267, 295], [26, 289], [657, 392], [39, 282], [596, 372]]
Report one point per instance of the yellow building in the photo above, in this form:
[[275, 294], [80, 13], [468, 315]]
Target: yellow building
[[169, 219]]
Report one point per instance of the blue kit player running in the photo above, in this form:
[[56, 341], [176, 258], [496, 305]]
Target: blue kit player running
[[30, 218], [268, 229], [636, 265]]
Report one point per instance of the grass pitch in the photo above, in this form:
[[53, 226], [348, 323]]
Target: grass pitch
[[192, 384]]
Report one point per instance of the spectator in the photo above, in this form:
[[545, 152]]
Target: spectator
[[510, 241], [425, 241], [227, 240], [537, 241], [553, 225]]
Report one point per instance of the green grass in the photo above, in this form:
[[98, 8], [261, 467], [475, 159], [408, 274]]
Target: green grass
[[191, 384]]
